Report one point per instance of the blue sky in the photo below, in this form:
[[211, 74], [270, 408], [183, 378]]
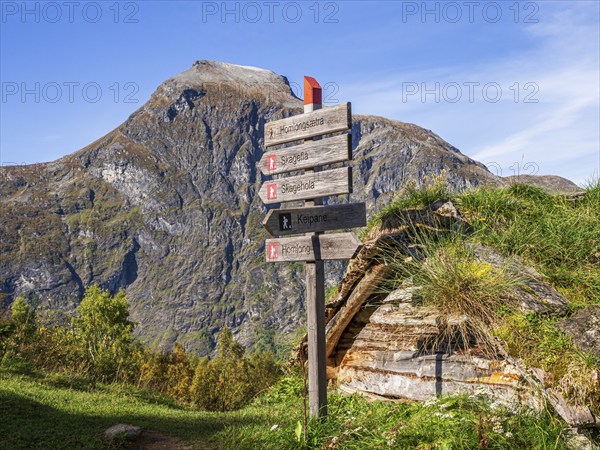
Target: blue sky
[[515, 85]]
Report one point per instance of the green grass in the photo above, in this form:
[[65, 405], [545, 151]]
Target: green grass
[[558, 236], [355, 423], [54, 411]]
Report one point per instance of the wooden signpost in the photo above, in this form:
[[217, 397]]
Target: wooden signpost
[[306, 156], [312, 248], [302, 187], [309, 222], [283, 222]]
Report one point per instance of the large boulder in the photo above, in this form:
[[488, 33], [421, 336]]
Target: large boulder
[[400, 349]]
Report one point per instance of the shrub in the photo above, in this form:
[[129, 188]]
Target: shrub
[[231, 380], [17, 332], [6, 331], [223, 383], [203, 390], [153, 371], [102, 325], [57, 348], [23, 319], [180, 373], [264, 370]]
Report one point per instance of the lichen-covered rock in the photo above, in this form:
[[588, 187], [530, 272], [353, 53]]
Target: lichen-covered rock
[[584, 329], [386, 350]]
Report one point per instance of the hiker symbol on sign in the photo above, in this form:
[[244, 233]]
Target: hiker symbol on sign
[[285, 221], [271, 191], [271, 162], [273, 250]]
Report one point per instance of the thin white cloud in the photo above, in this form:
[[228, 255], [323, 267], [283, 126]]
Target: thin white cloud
[[560, 133]]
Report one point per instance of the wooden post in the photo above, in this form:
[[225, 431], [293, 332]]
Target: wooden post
[[315, 294], [313, 247]]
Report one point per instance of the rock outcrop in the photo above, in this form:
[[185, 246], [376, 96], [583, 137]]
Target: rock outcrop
[[584, 328], [394, 345]]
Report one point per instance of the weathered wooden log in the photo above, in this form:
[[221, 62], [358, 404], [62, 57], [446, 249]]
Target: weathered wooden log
[[361, 293]]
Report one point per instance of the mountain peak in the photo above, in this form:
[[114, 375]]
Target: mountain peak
[[215, 74], [165, 206]]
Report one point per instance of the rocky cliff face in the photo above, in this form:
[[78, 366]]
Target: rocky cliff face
[[165, 206]]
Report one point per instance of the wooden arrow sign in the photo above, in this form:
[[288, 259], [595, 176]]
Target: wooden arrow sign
[[312, 248], [308, 155], [304, 126], [313, 185], [283, 222]]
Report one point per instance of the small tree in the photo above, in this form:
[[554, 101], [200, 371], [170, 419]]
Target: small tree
[[222, 384], [23, 320], [264, 370], [204, 390], [6, 330], [227, 347], [22, 314], [103, 327], [180, 374], [232, 373]]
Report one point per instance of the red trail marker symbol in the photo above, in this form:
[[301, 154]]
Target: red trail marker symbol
[[272, 191], [273, 250], [271, 163]]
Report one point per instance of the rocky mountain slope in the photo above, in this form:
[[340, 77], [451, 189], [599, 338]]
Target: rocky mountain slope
[[165, 206]]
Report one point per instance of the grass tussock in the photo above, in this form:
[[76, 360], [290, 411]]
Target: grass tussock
[[469, 295]]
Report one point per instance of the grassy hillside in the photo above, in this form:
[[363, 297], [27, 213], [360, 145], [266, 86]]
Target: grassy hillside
[[48, 402], [41, 411]]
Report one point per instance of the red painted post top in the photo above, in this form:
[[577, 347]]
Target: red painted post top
[[312, 92]]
